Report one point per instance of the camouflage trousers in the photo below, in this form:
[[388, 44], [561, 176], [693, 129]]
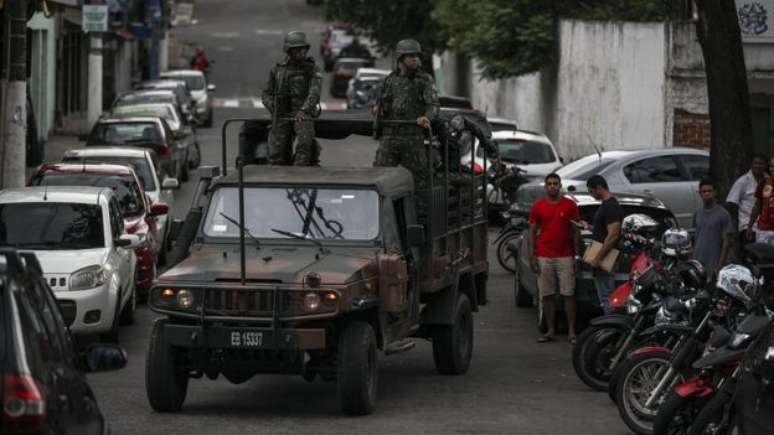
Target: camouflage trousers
[[407, 151], [281, 139]]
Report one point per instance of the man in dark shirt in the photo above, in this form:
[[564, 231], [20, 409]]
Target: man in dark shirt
[[605, 229]]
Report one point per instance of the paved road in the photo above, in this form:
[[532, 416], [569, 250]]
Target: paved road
[[514, 385]]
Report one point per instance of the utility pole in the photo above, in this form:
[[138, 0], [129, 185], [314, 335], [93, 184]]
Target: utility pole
[[94, 106], [14, 108]]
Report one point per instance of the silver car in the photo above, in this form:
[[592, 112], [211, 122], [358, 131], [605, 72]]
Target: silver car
[[671, 175]]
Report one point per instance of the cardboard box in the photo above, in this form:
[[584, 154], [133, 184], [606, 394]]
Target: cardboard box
[[608, 263]]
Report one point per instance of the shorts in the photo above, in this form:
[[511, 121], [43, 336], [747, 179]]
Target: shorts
[[556, 274]]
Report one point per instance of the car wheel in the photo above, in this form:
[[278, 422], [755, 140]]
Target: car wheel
[[196, 160], [453, 344], [208, 122], [520, 295], [184, 170], [127, 314], [165, 384], [111, 336], [161, 259], [505, 257], [358, 369]]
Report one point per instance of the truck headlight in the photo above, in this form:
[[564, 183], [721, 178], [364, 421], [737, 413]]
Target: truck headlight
[[311, 302], [88, 278], [185, 299]]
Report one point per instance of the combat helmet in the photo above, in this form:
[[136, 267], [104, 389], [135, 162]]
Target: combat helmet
[[407, 46], [295, 39]]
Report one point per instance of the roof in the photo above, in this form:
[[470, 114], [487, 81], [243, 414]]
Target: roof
[[130, 119], [84, 168], [68, 194], [181, 73], [386, 180], [648, 151], [520, 134], [108, 152], [373, 72], [585, 198], [148, 92]]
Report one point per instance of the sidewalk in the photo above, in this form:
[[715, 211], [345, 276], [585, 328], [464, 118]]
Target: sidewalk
[[56, 146]]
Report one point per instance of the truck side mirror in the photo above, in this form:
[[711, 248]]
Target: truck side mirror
[[415, 236]]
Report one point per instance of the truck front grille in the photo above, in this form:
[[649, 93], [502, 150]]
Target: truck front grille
[[257, 303]]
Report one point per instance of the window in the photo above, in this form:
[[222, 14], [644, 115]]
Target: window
[[698, 166], [116, 222], [133, 133], [128, 193], [139, 164], [49, 321], [51, 226], [654, 170]]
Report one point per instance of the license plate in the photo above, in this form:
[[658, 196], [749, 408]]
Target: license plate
[[246, 339]]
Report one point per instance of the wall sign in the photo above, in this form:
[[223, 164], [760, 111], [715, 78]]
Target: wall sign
[[756, 19], [95, 18]]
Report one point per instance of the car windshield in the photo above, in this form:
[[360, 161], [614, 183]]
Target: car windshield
[[366, 83], [525, 152], [139, 164], [342, 214], [584, 168], [125, 134], [51, 226], [194, 82], [127, 192], [156, 110], [130, 99]]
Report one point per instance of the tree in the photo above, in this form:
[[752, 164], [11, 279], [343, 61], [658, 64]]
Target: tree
[[387, 22], [729, 96]]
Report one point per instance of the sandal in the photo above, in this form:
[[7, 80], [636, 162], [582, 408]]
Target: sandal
[[545, 339]]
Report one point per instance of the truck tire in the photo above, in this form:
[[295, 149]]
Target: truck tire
[[358, 369], [165, 385], [453, 344]]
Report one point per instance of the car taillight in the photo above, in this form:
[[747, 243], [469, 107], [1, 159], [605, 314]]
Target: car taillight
[[23, 404], [477, 169], [165, 150]]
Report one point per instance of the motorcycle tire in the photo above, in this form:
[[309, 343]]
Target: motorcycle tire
[[504, 257], [586, 356], [631, 406], [717, 417], [676, 415]]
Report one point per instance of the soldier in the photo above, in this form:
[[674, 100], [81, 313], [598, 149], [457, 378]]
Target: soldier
[[408, 94], [293, 92]]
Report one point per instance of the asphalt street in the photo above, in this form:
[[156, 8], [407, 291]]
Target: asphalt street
[[514, 386]]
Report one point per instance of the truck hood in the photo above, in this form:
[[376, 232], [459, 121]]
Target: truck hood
[[273, 265], [64, 262]]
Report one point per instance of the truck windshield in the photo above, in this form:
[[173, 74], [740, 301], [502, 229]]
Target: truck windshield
[[324, 214]]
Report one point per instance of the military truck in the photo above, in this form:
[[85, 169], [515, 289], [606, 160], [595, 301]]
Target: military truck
[[317, 271]]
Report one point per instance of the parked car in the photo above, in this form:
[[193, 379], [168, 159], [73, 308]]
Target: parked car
[[200, 92], [670, 174], [525, 281], [44, 388], [155, 182], [77, 234], [181, 128], [362, 92], [179, 87], [149, 97], [152, 133], [139, 215], [344, 70], [326, 35], [338, 39]]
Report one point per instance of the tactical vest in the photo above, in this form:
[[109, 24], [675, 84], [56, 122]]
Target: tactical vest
[[293, 81]]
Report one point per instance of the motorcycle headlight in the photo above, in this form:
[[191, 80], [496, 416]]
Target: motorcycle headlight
[[633, 306], [88, 278], [738, 340]]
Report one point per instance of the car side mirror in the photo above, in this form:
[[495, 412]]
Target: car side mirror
[[170, 183], [103, 357], [211, 87], [159, 209], [415, 236], [127, 241]]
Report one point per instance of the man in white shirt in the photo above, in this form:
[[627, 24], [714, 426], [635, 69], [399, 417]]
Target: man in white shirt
[[743, 193]]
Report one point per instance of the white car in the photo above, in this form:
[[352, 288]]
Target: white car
[[157, 185], [200, 91], [87, 260]]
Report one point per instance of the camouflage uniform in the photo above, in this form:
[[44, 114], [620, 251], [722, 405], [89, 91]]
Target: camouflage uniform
[[406, 97], [296, 87]]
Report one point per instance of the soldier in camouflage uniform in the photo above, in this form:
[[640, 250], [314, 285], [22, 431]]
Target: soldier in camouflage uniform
[[293, 91], [407, 94]]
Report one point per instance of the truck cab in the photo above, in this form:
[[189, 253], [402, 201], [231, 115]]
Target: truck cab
[[317, 271]]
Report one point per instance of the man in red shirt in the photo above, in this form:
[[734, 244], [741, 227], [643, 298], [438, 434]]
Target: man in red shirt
[[554, 242], [763, 212]]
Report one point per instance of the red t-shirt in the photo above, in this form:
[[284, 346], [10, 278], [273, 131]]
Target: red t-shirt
[[554, 227], [765, 193]]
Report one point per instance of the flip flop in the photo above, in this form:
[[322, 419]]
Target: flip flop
[[545, 339]]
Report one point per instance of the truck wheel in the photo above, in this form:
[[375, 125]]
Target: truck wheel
[[520, 295], [165, 385], [453, 344], [358, 369]]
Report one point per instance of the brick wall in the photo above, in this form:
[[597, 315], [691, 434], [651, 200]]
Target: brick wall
[[691, 129]]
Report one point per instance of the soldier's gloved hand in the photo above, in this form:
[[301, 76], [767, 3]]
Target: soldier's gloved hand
[[423, 121], [300, 116]]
